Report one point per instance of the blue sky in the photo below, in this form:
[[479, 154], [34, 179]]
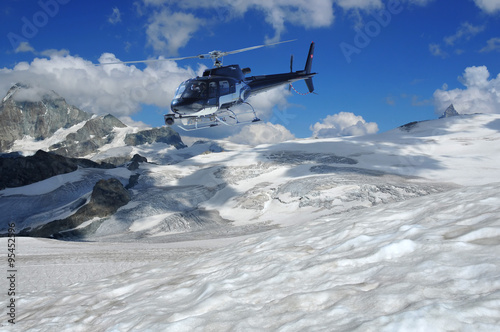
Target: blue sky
[[380, 64]]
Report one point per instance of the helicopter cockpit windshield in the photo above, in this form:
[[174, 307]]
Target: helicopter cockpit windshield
[[191, 90]]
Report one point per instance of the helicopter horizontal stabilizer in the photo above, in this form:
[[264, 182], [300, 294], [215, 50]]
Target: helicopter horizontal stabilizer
[[309, 83]]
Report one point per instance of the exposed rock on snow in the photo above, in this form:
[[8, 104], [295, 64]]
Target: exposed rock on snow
[[160, 135], [107, 197], [300, 157], [55, 198], [449, 112], [409, 126], [96, 133], [21, 171], [135, 161]]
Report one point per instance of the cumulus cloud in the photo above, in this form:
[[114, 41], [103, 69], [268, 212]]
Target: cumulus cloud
[[173, 23], [270, 101], [171, 31], [117, 89], [481, 94], [343, 124], [489, 6], [277, 13], [262, 133]]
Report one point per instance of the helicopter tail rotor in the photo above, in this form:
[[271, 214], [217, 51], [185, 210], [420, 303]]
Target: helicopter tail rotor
[[307, 70]]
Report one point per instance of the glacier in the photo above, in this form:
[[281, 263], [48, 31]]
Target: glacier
[[394, 231]]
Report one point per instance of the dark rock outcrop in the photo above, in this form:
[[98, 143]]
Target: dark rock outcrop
[[409, 126], [20, 171], [156, 135], [136, 160], [107, 197]]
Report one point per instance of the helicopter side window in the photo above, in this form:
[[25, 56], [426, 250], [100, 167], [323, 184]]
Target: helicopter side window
[[224, 87], [212, 90], [195, 90]]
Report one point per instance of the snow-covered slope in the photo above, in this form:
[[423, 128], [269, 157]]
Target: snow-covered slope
[[427, 264], [396, 231], [288, 183]]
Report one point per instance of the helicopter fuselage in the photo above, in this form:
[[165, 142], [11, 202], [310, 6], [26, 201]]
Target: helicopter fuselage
[[223, 87], [204, 95]]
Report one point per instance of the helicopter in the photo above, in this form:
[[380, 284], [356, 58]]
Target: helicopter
[[206, 101]]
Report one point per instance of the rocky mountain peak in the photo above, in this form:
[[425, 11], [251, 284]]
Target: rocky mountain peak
[[29, 113], [450, 111], [35, 112]]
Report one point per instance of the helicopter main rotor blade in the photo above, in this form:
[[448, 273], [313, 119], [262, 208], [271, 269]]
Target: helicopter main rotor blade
[[255, 47], [210, 55], [201, 56]]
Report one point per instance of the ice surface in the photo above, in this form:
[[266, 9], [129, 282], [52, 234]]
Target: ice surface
[[391, 232]]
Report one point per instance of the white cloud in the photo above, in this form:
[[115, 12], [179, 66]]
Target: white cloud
[[116, 16], [436, 50], [53, 52], [168, 31], [343, 124], [266, 103], [360, 4], [116, 89], [24, 47], [489, 6], [492, 44], [34, 94], [262, 133], [173, 30], [419, 2], [481, 95], [277, 13], [465, 31]]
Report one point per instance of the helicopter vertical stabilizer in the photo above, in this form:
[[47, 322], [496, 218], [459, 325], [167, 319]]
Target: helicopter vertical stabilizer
[[309, 81]]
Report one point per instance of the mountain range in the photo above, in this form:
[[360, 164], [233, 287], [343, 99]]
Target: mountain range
[[34, 118], [61, 134]]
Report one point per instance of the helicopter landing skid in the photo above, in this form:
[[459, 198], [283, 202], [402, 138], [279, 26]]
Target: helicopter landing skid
[[226, 117]]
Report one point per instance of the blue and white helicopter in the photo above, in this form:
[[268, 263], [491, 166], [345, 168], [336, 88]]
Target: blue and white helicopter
[[206, 101]]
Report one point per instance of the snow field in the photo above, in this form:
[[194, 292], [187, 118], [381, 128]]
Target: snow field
[[401, 266]]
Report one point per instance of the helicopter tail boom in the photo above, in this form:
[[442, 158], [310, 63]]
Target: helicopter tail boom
[[262, 83]]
